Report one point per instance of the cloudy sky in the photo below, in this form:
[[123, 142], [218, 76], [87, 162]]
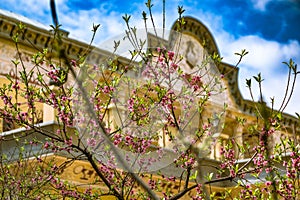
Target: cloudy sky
[[268, 29]]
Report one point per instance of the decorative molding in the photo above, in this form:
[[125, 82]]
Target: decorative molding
[[38, 39], [197, 29]]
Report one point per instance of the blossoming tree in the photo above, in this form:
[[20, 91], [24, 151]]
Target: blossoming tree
[[131, 117]]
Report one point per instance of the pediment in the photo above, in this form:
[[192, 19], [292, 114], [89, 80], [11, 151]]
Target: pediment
[[197, 44]]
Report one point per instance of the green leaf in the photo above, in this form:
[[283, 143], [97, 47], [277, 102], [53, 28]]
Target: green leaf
[[209, 176], [126, 18], [95, 27], [244, 52], [4, 156], [8, 77], [23, 76], [116, 44], [237, 168], [258, 78], [133, 29], [22, 149], [248, 83], [15, 62], [297, 114], [15, 38], [148, 4], [40, 78], [194, 175], [180, 10], [279, 116], [144, 15]]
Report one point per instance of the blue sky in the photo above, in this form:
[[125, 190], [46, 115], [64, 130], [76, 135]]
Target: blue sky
[[268, 29]]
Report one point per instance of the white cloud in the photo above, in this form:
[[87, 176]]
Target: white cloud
[[80, 24], [35, 10], [274, 85], [264, 57], [260, 4], [31, 6]]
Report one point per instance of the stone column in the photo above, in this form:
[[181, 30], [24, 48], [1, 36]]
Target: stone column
[[238, 136], [49, 113]]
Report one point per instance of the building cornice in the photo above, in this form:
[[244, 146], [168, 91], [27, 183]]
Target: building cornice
[[199, 31], [40, 38]]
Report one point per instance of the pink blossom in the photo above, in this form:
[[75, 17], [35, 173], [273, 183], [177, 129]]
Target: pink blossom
[[91, 142], [171, 55], [268, 183]]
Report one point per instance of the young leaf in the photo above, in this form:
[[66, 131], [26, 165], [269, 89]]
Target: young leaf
[[248, 83]]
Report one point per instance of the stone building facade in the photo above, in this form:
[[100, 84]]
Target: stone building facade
[[196, 38]]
